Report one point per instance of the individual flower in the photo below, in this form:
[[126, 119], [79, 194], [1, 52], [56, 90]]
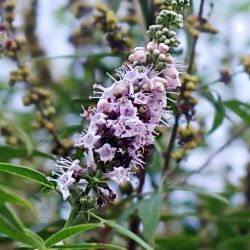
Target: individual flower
[[65, 181], [139, 55], [119, 175], [172, 76], [69, 172], [106, 152], [87, 140]]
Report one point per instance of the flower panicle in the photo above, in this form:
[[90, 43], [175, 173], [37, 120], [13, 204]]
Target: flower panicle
[[122, 125]]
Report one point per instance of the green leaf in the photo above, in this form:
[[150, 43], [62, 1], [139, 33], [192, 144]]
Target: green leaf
[[127, 212], [180, 242], [26, 173], [156, 160], [70, 231], [36, 239], [149, 212], [168, 216], [7, 228], [11, 225], [8, 152], [146, 11], [10, 197], [219, 117], [7, 212], [90, 246], [240, 218], [200, 191], [214, 98], [239, 108], [123, 231], [68, 131], [236, 241]]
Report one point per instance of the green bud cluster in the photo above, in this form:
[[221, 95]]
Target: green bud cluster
[[166, 22], [178, 4], [169, 18], [163, 35]]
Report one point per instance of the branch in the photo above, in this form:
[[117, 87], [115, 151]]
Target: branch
[[177, 117], [135, 222], [192, 54], [219, 80], [167, 154], [218, 151]]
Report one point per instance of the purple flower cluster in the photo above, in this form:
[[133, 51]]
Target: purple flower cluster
[[122, 125]]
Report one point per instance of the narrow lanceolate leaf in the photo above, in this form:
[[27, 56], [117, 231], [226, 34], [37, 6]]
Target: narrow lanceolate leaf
[[8, 152], [10, 197], [83, 246], [35, 239], [123, 231], [184, 242], [239, 108], [218, 117], [149, 212], [8, 229], [26, 173], [7, 212], [11, 225], [200, 191], [239, 240], [70, 231]]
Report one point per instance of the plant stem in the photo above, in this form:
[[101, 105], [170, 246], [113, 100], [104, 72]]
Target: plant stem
[[218, 151], [218, 80], [135, 222], [167, 154], [73, 214]]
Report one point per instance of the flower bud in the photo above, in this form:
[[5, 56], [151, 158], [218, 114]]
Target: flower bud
[[162, 58], [151, 46], [163, 48], [156, 52]]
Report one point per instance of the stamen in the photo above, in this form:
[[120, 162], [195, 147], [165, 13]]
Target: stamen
[[168, 98], [98, 86], [172, 93], [166, 124], [111, 77], [94, 97], [97, 92], [55, 173]]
